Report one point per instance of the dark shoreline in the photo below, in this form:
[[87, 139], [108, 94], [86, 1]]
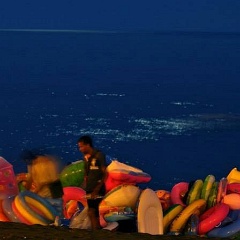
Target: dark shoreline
[[11, 230]]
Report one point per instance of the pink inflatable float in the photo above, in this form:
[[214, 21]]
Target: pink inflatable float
[[120, 173], [73, 195], [178, 192], [8, 183]]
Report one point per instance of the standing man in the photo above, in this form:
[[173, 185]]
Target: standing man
[[95, 174]]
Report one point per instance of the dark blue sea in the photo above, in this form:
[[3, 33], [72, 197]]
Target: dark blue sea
[[168, 103]]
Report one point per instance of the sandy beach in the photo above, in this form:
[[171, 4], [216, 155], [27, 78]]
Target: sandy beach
[[11, 230]]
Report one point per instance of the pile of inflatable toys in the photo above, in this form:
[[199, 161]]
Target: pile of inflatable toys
[[204, 207]]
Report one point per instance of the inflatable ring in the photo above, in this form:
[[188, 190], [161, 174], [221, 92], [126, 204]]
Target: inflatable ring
[[20, 179], [212, 199], [170, 215], [73, 174], [195, 191], [165, 198], [73, 193], [3, 217], [207, 186], [226, 231], [233, 188], [178, 192], [197, 207], [232, 200], [26, 198], [8, 211], [212, 217], [222, 189], [21, 218], [72, 207], [234, 176]]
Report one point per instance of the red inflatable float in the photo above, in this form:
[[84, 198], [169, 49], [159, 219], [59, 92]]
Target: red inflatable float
[[212, 217], [71, 196]]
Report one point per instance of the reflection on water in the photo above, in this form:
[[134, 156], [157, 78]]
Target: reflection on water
[[139, 129], [115, 132]]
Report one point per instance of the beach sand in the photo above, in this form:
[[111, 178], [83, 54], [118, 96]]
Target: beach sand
[[11, 230]]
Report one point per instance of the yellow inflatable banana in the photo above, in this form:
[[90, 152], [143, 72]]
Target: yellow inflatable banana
[[197, 207], [170, 215]]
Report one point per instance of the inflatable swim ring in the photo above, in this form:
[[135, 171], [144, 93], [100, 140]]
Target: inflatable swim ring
[[24, 201], [73, 193], [120, 196], [233, 188], [3, 217], [232, 200], [178, 192], [228, 230], [19, 215], [212, 217], [212, 199], [8, 211], [195, 191], [233, 176], [165, 198], [207, 186], [170, 215], [196, 207], [120, 173], [73, 174], [222, 189]]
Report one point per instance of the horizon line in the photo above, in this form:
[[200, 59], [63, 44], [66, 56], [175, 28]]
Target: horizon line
[[111, 31], [52, 30]]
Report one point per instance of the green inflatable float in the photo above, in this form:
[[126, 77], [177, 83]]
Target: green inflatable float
[[73, 174]]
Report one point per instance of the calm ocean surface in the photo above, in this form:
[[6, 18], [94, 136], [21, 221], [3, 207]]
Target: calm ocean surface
[[168, 103]]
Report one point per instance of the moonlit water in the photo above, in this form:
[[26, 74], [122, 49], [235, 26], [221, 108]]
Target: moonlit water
[[167, 103]]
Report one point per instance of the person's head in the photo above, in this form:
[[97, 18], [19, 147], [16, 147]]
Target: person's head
[[85, 144]]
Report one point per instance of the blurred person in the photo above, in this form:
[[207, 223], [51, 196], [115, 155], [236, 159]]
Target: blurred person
[[43, 178]]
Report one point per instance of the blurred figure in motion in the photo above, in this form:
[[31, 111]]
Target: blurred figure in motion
[[43, 177], [95, 175]]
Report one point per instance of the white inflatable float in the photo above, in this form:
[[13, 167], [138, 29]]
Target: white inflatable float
[[149, 213]]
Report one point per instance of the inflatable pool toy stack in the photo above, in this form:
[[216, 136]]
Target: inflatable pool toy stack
[[203, 207]]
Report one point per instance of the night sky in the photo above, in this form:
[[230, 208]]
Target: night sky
[[124, 15]]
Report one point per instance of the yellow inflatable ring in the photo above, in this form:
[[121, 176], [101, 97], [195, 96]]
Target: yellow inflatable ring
[[44, 213], [195, 191], [170, 214], [207, 186], [197, 207]]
